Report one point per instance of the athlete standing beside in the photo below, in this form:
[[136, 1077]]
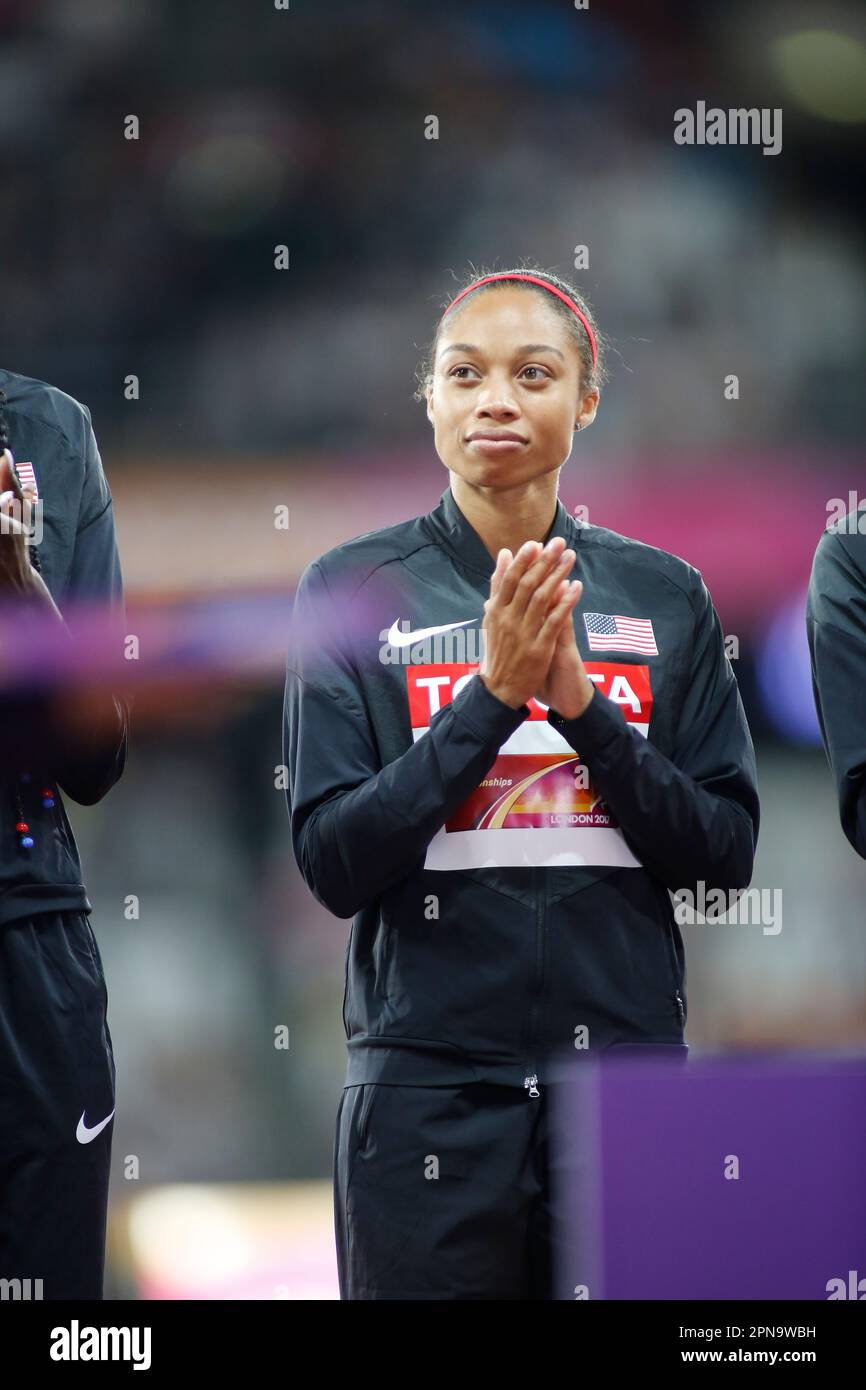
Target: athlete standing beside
[[56, 1063], [836, 632], [504, 825]]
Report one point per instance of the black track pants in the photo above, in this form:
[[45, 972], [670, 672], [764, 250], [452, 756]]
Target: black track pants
[[56, 1089], [444, 1192]]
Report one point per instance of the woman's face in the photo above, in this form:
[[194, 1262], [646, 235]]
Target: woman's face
[[506, 366]]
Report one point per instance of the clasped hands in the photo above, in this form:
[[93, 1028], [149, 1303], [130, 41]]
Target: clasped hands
[[530, 648], [18, 579]]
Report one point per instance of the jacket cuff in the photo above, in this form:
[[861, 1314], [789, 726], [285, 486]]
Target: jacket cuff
[[487, 715], [599, 726]]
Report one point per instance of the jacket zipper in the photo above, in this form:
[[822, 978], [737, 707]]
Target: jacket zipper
[[346, 977], [530, 1081], [672, 956]]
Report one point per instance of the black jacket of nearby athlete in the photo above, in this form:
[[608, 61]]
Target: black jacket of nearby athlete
[[836, 628], [79, 563], [507, 871]]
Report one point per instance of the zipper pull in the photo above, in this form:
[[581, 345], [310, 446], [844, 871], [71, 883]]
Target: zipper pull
[[682, 1010], [530, 1083]]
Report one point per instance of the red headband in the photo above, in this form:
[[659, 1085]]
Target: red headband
[[532, 280]]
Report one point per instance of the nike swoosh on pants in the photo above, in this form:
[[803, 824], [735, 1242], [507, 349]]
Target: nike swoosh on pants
[[84, 1135]]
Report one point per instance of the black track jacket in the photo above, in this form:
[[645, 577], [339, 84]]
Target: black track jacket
[[507, 871], [79, 560], [836, 629]]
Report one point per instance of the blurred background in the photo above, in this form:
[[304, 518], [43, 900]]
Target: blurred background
[[256, 389]]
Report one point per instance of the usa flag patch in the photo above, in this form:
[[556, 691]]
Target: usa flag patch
[[607, 632], [26, 474]]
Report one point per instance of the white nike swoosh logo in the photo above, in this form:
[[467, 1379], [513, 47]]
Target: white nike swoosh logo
[[84, 1135], [405, 639]]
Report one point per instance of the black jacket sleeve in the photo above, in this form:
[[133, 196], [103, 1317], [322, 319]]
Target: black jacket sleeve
[[693, 816], [88, 762], [836, 630], [357, 827]]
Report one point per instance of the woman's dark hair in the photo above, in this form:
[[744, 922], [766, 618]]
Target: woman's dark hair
[[4, 444], [591, 378]]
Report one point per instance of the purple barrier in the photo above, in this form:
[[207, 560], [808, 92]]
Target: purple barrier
[[722, 1178], [243, 633]]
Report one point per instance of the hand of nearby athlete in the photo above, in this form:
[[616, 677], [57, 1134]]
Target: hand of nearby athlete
[[567, 688], [528, 604], [18, 578]]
